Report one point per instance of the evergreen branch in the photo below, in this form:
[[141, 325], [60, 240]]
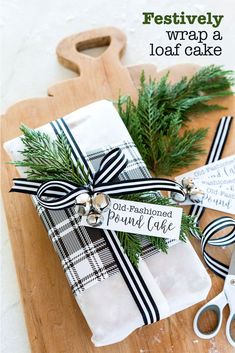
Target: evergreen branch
[[178, 150], [131, 245], [162, 109], [46, 159]]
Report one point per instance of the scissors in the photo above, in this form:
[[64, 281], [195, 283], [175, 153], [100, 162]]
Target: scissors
[[217, 304]]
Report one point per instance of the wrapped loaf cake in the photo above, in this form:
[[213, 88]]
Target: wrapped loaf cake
[[114, 296]]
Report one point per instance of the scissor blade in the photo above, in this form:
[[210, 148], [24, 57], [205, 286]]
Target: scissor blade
[[231, 270]]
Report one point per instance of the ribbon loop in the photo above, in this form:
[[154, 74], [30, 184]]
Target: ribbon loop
[[69, 190], [210, 230], [112, 164]]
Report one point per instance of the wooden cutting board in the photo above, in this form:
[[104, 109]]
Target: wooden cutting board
[[54, 321]]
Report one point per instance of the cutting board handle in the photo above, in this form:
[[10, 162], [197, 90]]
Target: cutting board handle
[[69, 49]]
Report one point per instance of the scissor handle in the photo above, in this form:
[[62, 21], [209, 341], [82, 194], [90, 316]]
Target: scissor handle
[[216, 305], [229, 286], [229, 335]]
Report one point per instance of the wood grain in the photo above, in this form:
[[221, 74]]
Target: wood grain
[[54, 321]]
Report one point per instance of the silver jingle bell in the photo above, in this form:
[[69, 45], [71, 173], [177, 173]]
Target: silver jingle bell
[[187, 182], [94, 219], [196, 198], [196, 194], [177, 197], [83, 204], [101, 202]]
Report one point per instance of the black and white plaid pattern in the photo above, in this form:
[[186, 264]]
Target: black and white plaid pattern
[[83, 251]]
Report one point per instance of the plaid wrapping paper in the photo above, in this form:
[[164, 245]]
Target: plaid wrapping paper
[[83, 251]]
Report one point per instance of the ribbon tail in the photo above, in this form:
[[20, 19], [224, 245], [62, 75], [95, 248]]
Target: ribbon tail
[[25, 186], [53, 195]]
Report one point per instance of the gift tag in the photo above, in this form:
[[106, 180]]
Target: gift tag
[[217, 181], [141, 218], [223, 169]]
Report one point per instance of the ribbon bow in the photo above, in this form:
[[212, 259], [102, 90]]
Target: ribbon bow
[[63, 194]]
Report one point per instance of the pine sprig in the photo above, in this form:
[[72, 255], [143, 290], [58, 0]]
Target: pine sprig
[[162, 109], [46, 159], [132, 246], [159, 243]]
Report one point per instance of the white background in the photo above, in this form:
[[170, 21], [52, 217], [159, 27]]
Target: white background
[[30, 31]]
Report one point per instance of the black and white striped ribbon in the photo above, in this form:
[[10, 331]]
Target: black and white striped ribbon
[[63, 193], [59, 126], [221, 223], [212, 229], [131, 275]]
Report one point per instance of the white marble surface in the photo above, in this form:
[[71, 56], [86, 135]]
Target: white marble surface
[[30, 31]]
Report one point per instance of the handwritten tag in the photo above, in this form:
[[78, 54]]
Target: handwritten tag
[[142, 218], [217, 180]]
